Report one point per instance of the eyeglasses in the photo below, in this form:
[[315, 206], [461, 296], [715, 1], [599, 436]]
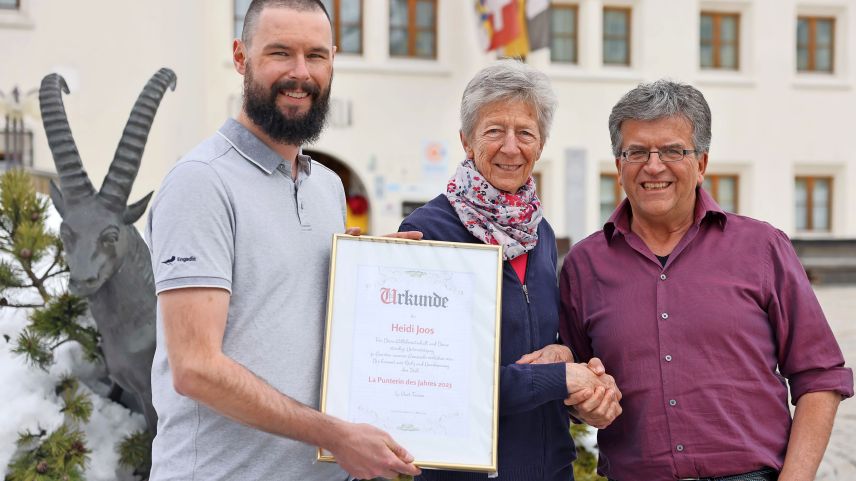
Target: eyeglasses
[[666, 155]]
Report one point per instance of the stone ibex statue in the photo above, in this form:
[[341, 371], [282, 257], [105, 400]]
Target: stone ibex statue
[[109, 262]]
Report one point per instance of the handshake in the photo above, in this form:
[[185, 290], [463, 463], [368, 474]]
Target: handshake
[[593, 396]]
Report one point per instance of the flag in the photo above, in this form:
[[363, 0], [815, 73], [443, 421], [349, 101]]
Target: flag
[[499, 20], [538, 23], [485, 25], [515, 26], [519, 45]]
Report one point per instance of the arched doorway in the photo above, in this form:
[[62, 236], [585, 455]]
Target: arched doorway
[[356, 195]]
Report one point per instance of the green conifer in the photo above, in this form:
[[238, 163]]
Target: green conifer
[[135, 453], [33, 258], [60, 456]]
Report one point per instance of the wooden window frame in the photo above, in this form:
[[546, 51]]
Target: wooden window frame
[[412, 29], [716, 41], [17, 6], [812, 43], [337, 27], [576, 35], [538, 187], [809, 200], [21, 139], [236, 15], [714, 187], [617, 191], [628, 37]]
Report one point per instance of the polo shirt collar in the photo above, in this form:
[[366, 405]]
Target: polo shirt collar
[[257, 152], [705, 207]]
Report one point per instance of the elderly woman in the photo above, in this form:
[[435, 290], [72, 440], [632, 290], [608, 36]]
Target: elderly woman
[[506, 113]]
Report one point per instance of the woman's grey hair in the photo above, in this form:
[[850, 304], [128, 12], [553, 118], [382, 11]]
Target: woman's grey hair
[[661, 99], [504, 80]]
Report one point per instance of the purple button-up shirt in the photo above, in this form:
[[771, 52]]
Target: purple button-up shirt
[[700, 348]]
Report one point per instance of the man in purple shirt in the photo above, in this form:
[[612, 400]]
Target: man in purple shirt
[[700, 315]]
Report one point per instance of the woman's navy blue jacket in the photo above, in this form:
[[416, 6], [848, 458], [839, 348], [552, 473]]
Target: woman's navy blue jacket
[[534, 442]]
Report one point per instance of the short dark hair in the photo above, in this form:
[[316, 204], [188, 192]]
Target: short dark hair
[[251, 19], [661, 99]]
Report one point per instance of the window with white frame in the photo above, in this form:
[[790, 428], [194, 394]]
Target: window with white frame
[[413, 28], [813, 202], [611, 194], [815, 44], [719, 40], [723, 189], [563, 33], [346, 17], [616, 35], [240, 12]]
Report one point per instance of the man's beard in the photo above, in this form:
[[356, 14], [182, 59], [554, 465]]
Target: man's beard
[[260, 106]]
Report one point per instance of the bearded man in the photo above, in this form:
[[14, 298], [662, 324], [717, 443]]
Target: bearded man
[[240, 237]]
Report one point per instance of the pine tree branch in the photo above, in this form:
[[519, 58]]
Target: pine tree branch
[[60, 343], [24, 306], [53, 264], [56, 273], [34, 279]]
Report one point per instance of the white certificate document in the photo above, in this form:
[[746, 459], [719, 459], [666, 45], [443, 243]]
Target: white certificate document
[[412, 346], [412, 329]]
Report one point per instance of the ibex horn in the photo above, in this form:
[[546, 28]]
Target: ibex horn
[[126, 163], [73, 180]]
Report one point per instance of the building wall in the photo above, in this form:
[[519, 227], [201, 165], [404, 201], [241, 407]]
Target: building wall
[[106, 50], [770, 123]]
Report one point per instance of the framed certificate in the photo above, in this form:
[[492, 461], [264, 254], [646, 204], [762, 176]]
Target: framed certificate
[[412, 346]]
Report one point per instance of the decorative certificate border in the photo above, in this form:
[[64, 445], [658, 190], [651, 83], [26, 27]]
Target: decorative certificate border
[[412, 346]]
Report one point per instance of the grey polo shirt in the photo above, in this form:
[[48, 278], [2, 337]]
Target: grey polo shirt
[[229, 216]]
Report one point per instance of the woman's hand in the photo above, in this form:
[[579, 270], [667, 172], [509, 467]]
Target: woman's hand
[[598, 404], [599, 410], [549, 354], [407, 235]]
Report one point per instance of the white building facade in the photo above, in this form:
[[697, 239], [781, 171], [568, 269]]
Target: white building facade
[[778, 74]]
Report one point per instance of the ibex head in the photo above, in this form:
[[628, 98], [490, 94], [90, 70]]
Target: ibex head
[[96, 227]]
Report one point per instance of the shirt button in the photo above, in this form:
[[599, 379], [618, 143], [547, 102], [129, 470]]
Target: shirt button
[[664, 315], [672, 402], [668, 358], [680, 448], [662, 277]]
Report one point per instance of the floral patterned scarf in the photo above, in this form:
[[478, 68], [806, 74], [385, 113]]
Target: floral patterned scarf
[[495, 217]]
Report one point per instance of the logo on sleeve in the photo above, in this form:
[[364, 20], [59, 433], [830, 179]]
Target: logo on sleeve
[[172, 259]]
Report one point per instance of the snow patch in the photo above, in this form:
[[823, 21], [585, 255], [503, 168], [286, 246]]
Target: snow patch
[[28, 400]]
